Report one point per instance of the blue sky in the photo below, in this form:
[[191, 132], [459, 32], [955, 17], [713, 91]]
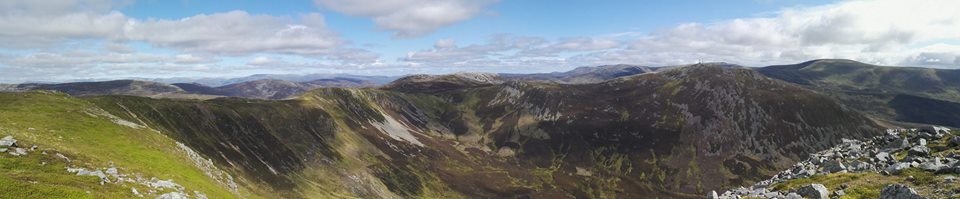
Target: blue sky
[[62, 40]]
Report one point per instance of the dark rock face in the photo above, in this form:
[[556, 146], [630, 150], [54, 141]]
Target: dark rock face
[[677, 133]]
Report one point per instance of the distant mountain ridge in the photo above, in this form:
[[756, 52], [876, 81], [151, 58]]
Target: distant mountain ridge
[[881, 91], [217, 82], [257, 89], [279, 89], [582, 75], [116, 87]]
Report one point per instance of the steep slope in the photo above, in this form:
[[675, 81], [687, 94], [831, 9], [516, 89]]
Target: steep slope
[[701, 127], [62, 132], [583, 75], [676, 133], [872, 89]]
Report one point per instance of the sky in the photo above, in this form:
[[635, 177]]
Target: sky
[[70, 40]]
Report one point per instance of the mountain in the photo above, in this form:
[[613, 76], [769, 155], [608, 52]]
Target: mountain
[[116, 87], [677, 133], [582, 75], [217, 82], [273, 88], [881, 91], [441, 83], [258, 89]]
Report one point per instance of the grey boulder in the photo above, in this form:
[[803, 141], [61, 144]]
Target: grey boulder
[[8, 142], [897, 167], [899, 191], [833, 166], [814, 191], [922, 151]]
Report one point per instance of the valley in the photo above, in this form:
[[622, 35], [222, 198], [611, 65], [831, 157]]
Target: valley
[[676, 133]]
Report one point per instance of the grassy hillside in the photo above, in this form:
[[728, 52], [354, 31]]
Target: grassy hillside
[[91, 139]]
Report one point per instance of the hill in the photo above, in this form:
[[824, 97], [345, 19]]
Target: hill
[[878, 90]]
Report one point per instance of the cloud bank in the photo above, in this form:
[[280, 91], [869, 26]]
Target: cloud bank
[[63, 39]]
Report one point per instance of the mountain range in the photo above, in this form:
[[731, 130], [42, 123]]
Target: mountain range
[[618, 131]]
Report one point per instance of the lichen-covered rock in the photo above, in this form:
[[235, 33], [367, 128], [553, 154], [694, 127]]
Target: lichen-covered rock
[[897, 144], [8, 142], [793, 196], [922, 151], [897, 168], [883, 157], [173, 195], [899, 191], [814, 191], [934, 165], [834, 166], [20, 151]]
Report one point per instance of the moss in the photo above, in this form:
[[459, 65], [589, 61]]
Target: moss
[[43, 176], [919, 176]]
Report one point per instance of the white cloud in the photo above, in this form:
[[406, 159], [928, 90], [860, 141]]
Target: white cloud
[[91, 59], [889, 32], [509, 51], [264, 61], [48, 24], [446, 53], [54, 38], [31, 24], [76, 65], [410, 18], [118, 47], [445, 44], [237, 32]]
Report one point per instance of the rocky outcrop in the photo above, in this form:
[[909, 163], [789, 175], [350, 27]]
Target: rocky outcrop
[[9, 145], [873, 155], [899, 191], [813, 191]]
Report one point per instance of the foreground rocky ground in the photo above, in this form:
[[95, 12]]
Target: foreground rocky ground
[[902, 164]]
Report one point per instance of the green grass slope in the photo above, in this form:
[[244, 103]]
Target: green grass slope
[[80, 130]]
